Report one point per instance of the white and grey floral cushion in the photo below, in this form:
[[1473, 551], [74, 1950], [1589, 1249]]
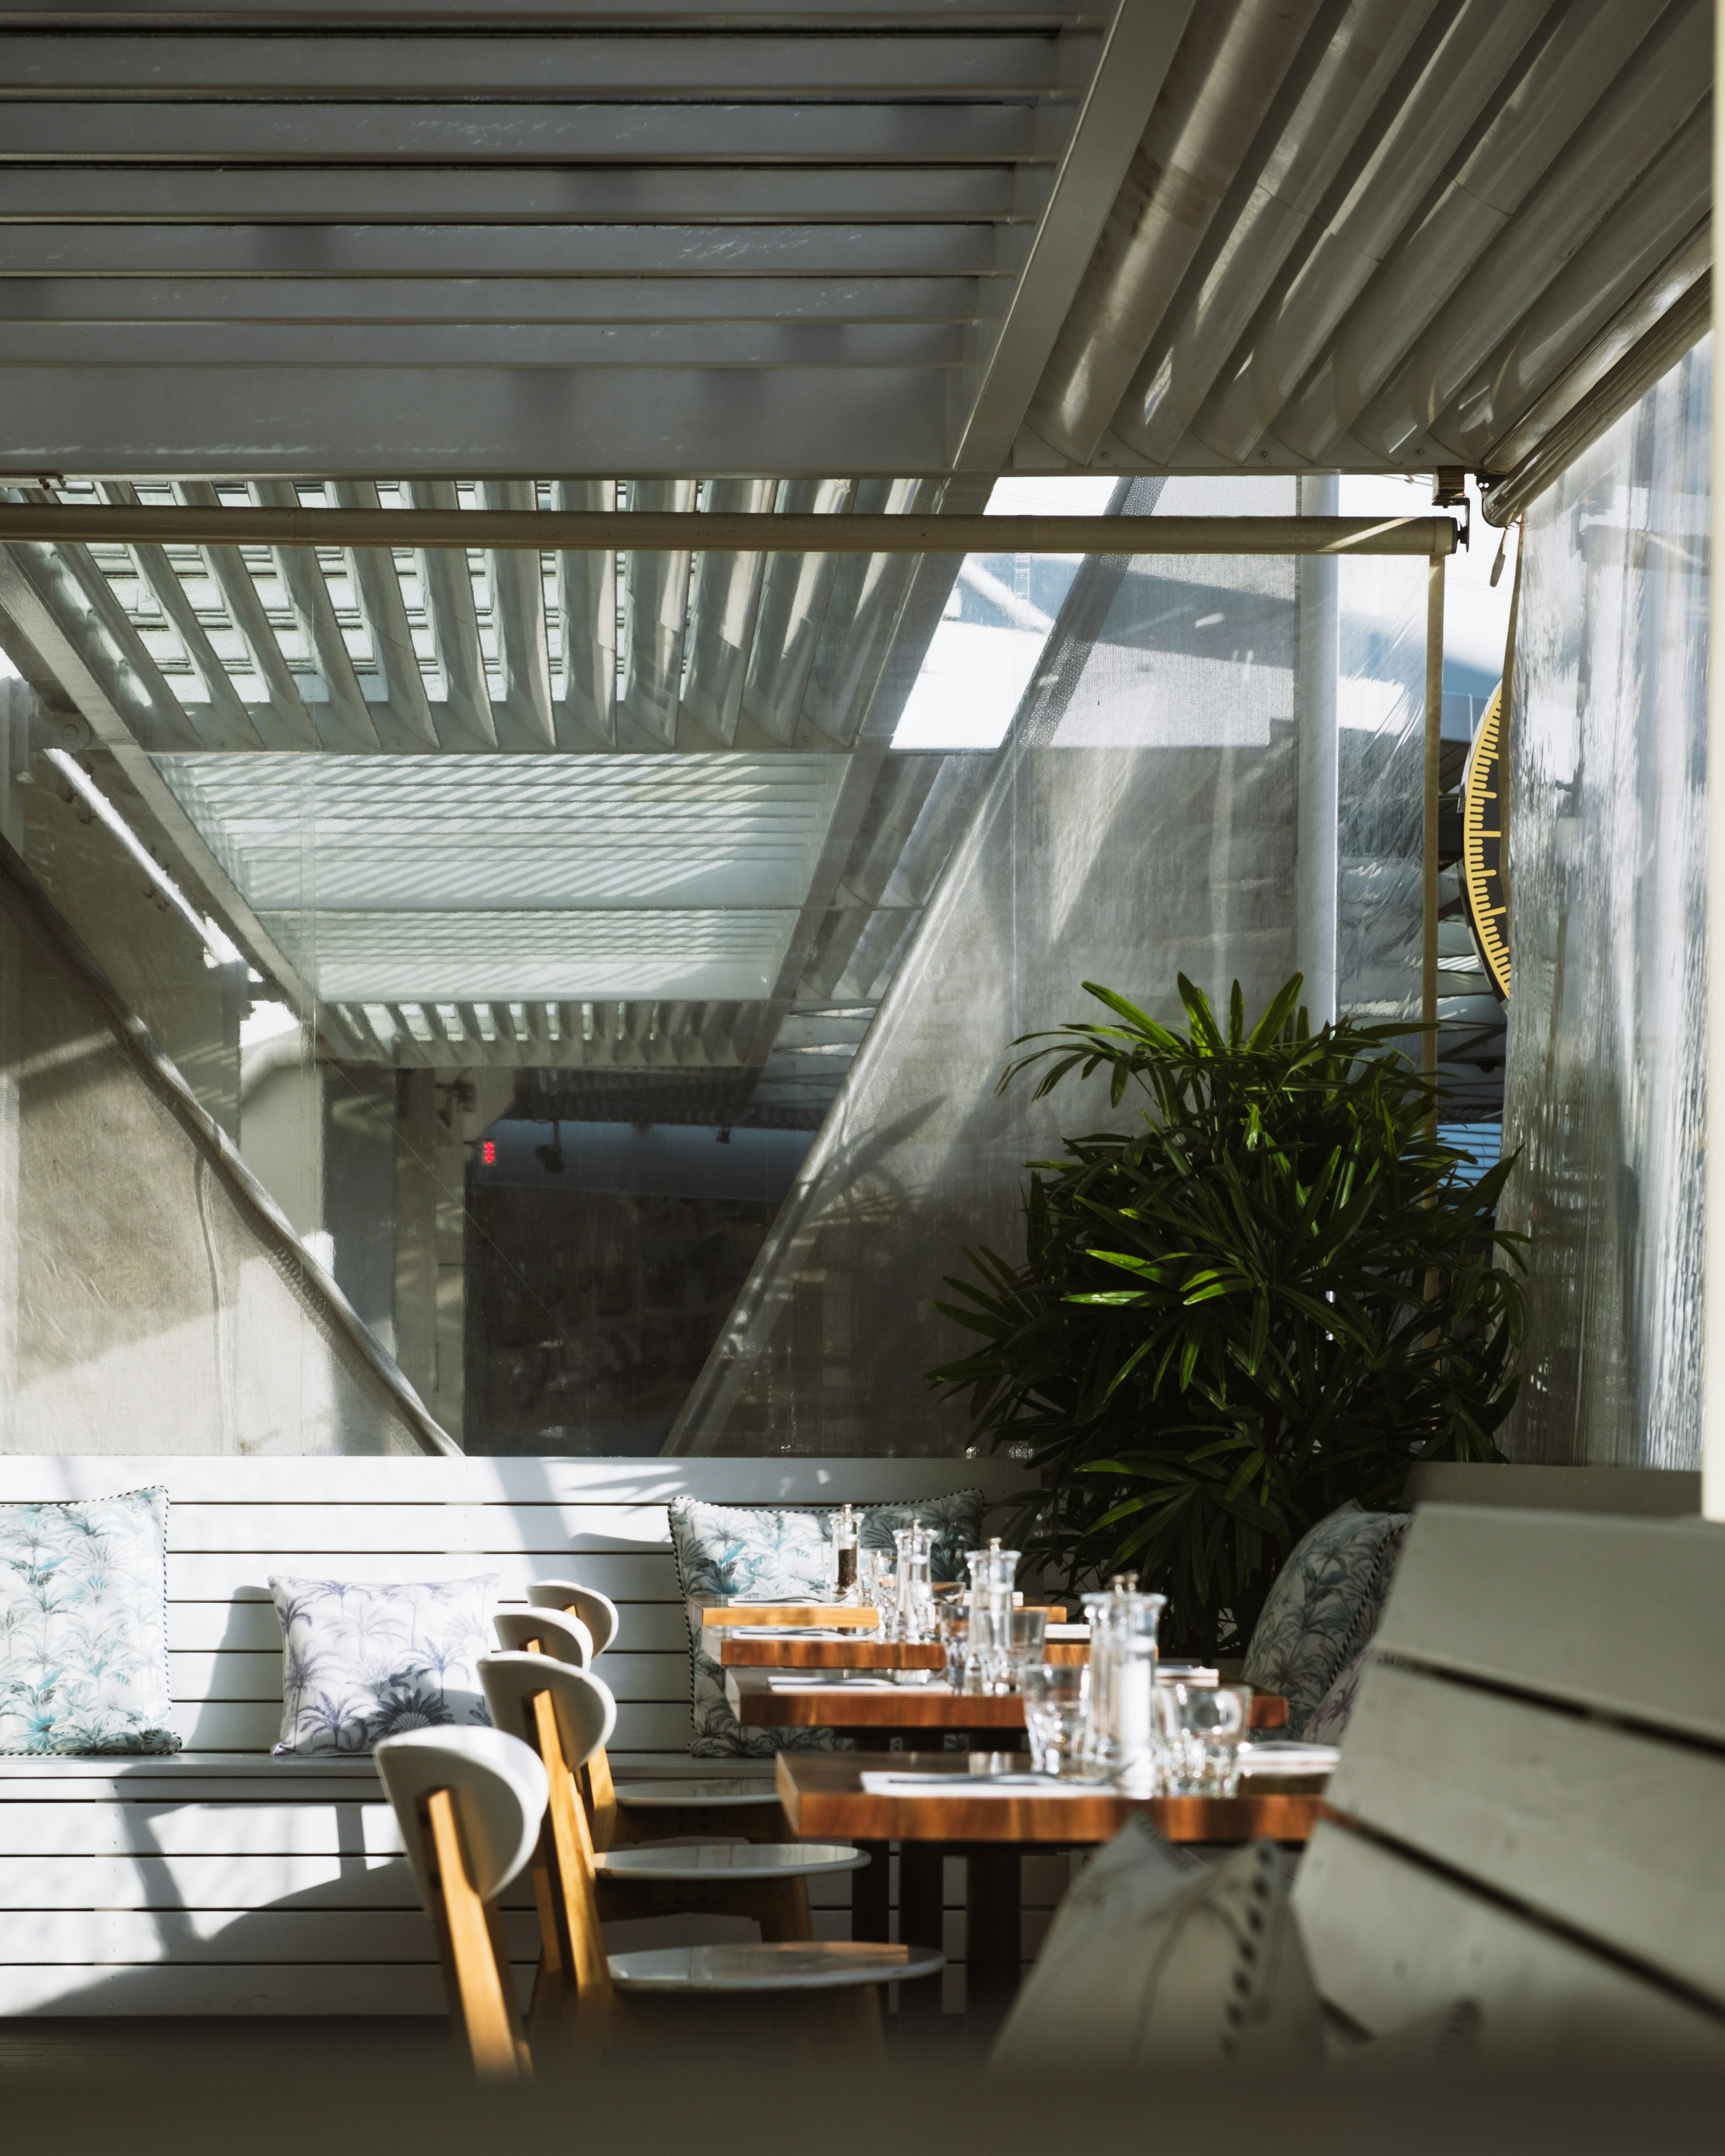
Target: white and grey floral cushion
[[83, 1625], [1325, 1605], [786, 1552], [362, 1662], [1155, 1960], [1332, 1714]]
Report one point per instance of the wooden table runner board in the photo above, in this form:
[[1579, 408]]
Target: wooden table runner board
[[740, 1651], [760, 1704], [744, 1652], [724, 1615], [824, 1800]]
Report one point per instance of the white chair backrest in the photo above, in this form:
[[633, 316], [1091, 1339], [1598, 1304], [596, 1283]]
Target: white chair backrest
[[597, 1611], [499, 1791], [567, 1638], [585, 1711]]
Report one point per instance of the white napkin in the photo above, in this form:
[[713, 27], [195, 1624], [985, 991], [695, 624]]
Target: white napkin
[[1287, 1755], [881, 1784], [829, 1680], [784, 1632]]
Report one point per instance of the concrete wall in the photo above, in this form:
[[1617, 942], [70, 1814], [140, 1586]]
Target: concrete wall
[[151, 1300]]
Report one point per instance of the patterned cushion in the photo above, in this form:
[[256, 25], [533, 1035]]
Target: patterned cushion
[[363, 1662], [1330, 1716], [83, 1625], [1157, 1960], [1326, 1603], [787, 1551]]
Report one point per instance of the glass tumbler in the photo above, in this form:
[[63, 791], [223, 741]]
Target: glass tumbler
[[987, 1663], [1024, 1633], [873, 1569], [913, 1614], [1202, 1726], [1121, 1736], [1054, 1707], [954, 1622]]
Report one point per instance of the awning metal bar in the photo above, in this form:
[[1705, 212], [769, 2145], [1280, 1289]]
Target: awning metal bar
[[552, 531]]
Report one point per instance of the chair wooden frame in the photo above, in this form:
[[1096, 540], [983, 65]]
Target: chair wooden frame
[[780, 1906], [470, 1946], [470, 1805], [784, 1905], [572, 1993]]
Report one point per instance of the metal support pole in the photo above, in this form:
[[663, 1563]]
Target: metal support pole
[[1316, 862], [1712, 1288], [577, 531], [1434, 754]]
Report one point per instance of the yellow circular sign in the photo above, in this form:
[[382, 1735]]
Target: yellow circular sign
[[1484, 827]]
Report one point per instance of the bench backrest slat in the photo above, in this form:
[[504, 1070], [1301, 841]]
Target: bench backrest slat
[[1620, 1615]]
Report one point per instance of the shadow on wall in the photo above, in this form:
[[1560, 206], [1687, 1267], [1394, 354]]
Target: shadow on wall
[[151, 1299]]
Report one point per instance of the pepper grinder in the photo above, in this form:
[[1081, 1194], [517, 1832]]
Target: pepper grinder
[[845, 1545]]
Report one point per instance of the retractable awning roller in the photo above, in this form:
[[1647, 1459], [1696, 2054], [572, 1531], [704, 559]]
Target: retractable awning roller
[[675, 532]]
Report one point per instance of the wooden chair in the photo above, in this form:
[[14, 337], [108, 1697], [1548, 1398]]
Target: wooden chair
[[597, 1612], [578, 1625], [469, 1803], [705, 1875], [806, 1989], [1525, 1820]]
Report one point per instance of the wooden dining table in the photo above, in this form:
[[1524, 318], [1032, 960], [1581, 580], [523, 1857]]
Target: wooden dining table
[[824, 1798], [876, 1704]]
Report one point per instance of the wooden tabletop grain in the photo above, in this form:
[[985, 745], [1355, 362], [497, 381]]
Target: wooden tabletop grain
[[716, 1611], [824, 1800], [932, 1706], [861, 1654], [721, 1613]]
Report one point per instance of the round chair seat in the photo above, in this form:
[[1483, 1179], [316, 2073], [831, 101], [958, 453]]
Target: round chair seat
[[688, 1796], [824, 1965], [727, 1859]]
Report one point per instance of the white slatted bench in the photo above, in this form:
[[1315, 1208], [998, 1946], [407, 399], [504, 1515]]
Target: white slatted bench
[[223, 1881], [1529, 1803]]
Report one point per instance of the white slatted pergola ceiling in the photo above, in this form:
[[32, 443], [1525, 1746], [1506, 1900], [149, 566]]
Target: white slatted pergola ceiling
[[588, 812], [795, 237], [447, 878]]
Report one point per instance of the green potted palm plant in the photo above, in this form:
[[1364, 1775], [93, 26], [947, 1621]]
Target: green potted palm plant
[[1267, 1298]]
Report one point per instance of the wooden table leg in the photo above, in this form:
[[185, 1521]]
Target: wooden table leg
[[993, 1902], [871, 1893], [920, 1924]]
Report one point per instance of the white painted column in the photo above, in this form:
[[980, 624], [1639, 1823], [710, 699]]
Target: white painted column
[[1712, 1303], [1316, 860]]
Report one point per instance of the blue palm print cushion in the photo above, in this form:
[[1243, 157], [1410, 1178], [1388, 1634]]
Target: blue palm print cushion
[[362, 1662], [84, 1626], [1325, 1605], [785, 1552]]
